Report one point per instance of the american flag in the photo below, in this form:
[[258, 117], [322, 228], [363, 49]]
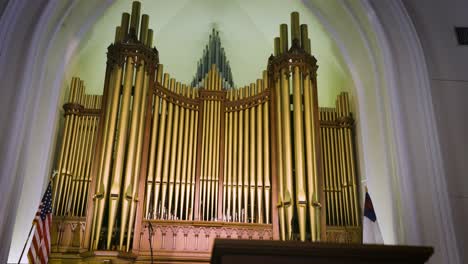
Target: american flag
[[40, 246]]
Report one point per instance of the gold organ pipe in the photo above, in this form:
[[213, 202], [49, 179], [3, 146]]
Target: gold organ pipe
[[209, 154], [152, 151], [246, 155], [287, 150], [301, 196], [335, 171], [352, 174], [102, 183], [131, 150], [237, 156], [118, 164], [284, 38], [167, 153], [80, 165], [280, 154], [343, 163], [180, 143], [73, 155], [295, 31], [217, 148], [311, 158], [124, 26], [190, 172], [330, 166], [174, 144], [89, 158], [266, 151], [230, 158], [252, 157], [194, 161], [149, 40], [259, 150], [157, 206], [63, 153], [144, 29], [227, 135], [136, 171], [135, 17], [304, 37], [102, 186], [186, 119], [203, 159], [277, 46]]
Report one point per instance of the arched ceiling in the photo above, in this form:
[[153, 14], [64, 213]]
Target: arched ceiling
[[182, 27]]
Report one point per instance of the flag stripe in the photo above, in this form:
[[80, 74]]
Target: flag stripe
[[40, 246]]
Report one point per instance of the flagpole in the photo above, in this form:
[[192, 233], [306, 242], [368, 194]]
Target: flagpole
[[26, 243], [54, 173]]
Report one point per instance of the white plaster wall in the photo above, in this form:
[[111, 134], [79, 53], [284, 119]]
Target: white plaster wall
[[448, 69]]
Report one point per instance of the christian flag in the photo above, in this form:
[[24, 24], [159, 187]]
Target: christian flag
[[371, 231], [40, 246]]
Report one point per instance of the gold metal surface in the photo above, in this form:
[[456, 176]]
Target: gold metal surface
[[259, 152]]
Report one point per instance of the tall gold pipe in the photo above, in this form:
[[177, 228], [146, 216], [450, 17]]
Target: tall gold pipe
[[63, 161], [304, 37], [301, 195], [158, 207], [135, 17], [203, 150], [253, 164], [174, 142], [102, 187], [186, 118], [190, 158], [152, 150], [330, 168], [86, 159], [136, 171], [295, 31], [64, 151], [131, 150], [214, 183], [246, 158], [352, 175], [310, 157], [259, 150], [195, 146], [237, 146], [280, 162], [335, 172], [277, 46], [180, 143], [64, 201], [90, 155], [167, 153], [266, 151], [343, 155], [284, 38], [144, 29], [118, 164], [124, 25], [77, 190], [227, 157], [287, 150]]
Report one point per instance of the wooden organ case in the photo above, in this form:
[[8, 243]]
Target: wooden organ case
[[156, 170]]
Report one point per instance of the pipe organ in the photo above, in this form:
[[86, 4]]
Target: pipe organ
[[155, 168]]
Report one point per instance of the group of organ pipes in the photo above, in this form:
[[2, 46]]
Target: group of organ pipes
[[154, 151]]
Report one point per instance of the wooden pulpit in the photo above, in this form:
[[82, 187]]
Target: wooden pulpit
[[226, 251]]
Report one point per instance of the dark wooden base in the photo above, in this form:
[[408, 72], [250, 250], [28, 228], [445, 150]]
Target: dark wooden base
[[272, 252]]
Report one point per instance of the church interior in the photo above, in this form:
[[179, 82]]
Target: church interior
[[164, 127]]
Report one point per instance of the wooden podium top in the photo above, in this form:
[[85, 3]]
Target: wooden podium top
[[227, 251]]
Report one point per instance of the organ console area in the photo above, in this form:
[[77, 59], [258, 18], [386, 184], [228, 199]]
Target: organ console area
[[156, 169]]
